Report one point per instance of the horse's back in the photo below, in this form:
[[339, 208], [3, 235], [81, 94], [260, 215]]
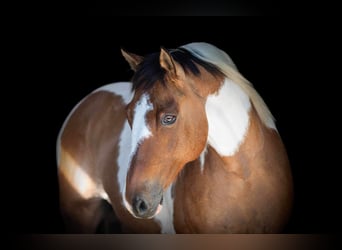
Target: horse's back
[[87, 146]]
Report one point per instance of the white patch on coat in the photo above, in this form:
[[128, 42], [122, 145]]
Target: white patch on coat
[[81, 181], [103, 194], [122, 89], [165, 217], [228, 118], [123, 161], [202, 158]]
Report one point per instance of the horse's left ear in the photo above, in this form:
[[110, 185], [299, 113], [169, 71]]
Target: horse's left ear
[[132, 59], [166, 62]]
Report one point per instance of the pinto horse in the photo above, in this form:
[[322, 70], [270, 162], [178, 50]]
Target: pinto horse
[[188, 146]]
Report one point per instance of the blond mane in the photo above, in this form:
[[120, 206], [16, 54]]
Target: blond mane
[[220, 59]]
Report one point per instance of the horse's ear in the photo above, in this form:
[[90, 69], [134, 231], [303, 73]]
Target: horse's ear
[[132, 59], [166, 62], [173, 69]]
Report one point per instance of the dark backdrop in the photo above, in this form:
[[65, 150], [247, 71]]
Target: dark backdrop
[[61, 63]]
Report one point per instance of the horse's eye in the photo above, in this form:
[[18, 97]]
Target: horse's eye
[[168, 119]]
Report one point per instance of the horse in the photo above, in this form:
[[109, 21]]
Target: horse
[[186, 146]]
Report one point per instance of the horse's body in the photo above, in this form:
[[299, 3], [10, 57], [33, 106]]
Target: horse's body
[[187, 147]]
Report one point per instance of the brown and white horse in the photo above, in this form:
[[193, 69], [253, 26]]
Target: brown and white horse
[[188, 147]]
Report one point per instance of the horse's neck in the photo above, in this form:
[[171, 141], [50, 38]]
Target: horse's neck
[[240, 161], [228, 118], [236, 133]]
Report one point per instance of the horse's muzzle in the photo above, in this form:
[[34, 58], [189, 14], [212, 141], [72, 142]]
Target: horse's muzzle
[[145, 206]]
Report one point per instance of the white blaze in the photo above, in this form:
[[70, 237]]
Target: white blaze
[[140, 129], [129, 142]]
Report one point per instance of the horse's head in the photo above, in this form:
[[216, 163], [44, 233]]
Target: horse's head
[[168, 121]]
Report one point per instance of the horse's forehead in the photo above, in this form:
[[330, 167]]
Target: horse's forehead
[[159, 95]]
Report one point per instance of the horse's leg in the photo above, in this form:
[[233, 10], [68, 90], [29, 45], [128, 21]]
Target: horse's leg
[[81, 215], [109, 222]]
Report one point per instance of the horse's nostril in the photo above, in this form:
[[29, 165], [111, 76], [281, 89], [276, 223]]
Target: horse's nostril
[[140, 206]]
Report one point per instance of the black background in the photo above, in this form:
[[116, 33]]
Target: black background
[[57, 65]]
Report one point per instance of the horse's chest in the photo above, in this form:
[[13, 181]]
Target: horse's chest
[[208, 206]]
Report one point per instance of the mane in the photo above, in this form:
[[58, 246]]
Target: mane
[[215, 61], [149, 71], [214, 56]]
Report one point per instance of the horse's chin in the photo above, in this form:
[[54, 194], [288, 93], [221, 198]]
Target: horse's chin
[[159, 208]]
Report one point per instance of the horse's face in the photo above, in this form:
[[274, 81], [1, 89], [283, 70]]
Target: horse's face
[[169, 129]]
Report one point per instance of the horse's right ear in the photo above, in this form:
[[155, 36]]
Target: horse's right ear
[[132, 59]]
